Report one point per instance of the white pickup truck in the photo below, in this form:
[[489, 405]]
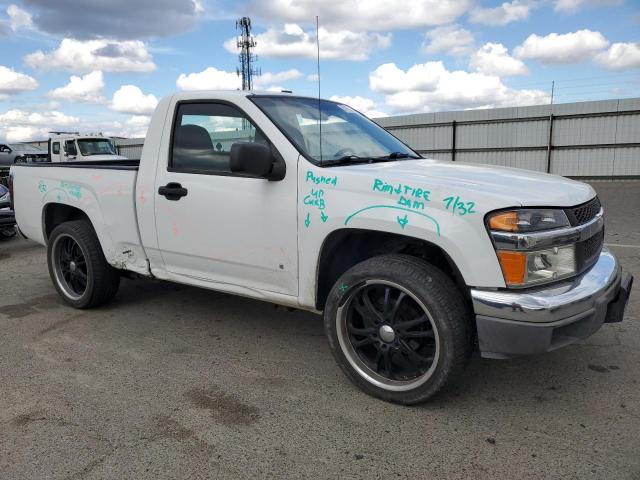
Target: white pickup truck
[[413, 262], [73, 147]]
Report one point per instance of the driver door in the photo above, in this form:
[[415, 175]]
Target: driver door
[[223, 227], [70, 150]]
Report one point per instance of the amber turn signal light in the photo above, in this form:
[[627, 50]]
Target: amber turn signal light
[[513, 266], [504, 222]]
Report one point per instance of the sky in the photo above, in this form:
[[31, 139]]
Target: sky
[[102, 66]]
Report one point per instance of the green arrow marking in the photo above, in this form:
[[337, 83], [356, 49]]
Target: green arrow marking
[[403, 221], [323, 217], [307, 221], [393, 207]]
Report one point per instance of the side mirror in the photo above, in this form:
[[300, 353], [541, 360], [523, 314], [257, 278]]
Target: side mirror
[[258, 160]]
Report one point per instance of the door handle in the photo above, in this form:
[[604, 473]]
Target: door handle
[[173, 191]]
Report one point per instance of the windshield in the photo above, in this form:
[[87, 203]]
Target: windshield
[[96, 146], [347, 136]]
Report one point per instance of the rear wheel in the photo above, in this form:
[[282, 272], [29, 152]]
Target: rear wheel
[[7, 232], [398, 328], [78, 268]]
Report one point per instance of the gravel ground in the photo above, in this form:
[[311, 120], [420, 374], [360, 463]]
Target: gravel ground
[[175, 382]]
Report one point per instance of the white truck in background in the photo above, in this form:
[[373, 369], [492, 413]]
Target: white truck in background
[[413, 262], [73, 147]]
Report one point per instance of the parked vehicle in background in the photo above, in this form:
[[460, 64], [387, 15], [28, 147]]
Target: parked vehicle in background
[[73, 147], [7, 217], [307, 203], [11, 153]]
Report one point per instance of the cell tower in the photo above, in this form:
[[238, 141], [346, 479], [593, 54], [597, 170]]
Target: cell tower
[[247, 59]]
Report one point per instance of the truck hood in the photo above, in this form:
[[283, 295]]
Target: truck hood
[[507, 186]]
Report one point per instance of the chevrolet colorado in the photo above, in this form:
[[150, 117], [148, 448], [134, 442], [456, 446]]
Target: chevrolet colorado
[[414, 263]]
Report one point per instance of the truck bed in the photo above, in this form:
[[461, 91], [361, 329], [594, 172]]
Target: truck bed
[[104, 191], [131, 164]]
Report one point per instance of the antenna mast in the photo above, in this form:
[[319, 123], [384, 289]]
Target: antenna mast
[[319, 109], [247, 59]]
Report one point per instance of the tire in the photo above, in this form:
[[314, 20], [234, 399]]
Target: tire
[[8, 232], [77, 266], [398, 354]]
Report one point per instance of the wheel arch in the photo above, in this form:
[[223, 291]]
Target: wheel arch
[[344, 248], [54, 214]]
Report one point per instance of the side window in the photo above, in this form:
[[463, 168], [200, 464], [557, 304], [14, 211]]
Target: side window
[[55, 148], [5, 149], [203, 134], [70, 147]]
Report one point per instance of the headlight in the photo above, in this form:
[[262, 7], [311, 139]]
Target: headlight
[[5, 197], [528, 220], [531, 268], [522, 266]]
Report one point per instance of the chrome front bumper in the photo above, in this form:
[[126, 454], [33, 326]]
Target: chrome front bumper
[[522, 322]]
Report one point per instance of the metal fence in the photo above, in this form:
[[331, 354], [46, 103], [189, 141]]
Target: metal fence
[[129, 147], [586, 139]]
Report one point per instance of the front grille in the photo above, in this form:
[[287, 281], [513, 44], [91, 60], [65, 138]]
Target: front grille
[[583, 213], [588, 251]]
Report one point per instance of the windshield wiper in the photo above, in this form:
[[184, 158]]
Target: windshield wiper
[[353, 159], [347, 159], [396, 156]]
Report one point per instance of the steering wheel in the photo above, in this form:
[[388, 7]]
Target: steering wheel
[[343, 152]]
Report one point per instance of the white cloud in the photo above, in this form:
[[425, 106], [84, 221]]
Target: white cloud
[[363, 15], [572, 6], [269, 78], [130, 99], [364, 105], [12, 82], [567, 5], [209, 79], [21, 126], [293, 41], [431, 87], [494, 59], [620, 56], [506, 13], [562, 48], [139, 121], [135, 126], [312, 77], [214, 79], [19, 18], [86, 89], [451, 39], [87, 56]]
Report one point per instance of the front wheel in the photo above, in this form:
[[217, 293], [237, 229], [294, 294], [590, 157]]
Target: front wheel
[[77, 266], [398, 328]]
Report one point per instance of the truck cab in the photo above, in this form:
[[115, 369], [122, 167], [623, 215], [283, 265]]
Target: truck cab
[[73, 147]]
